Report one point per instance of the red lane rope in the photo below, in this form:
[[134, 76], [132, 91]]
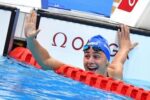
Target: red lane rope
[[24, 55], [89, 78]]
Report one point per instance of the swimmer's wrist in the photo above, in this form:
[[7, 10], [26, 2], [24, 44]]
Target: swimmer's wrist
[[30, 38], [125, 50]]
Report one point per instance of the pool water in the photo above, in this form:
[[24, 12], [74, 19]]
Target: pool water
[[21, 81]]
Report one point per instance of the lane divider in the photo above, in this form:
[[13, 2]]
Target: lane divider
[[24, 55]]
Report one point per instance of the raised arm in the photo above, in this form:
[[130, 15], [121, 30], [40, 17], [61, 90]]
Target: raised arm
[[115, 69], [39, 53]]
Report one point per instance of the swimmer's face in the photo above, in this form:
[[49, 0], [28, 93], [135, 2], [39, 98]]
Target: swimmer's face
[[95, 61]]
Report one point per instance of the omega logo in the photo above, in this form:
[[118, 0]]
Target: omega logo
[[113, 46]]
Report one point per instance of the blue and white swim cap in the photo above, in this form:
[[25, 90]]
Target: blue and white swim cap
[[98, 43]]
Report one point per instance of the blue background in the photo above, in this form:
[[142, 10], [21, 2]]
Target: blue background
[[102, 7]]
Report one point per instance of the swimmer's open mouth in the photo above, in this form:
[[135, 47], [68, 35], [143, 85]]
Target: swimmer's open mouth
[[93, 69]]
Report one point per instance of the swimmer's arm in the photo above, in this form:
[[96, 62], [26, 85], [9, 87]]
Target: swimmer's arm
[[42, 56], [39, 53], [115, 69]]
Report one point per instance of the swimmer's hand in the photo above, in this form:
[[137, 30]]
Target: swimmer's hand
[[124, 40], [30, 25]]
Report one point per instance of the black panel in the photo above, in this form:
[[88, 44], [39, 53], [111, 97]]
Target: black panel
[[11, 27], [96, 23]]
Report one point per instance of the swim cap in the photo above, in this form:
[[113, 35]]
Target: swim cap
[[98, 43]]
